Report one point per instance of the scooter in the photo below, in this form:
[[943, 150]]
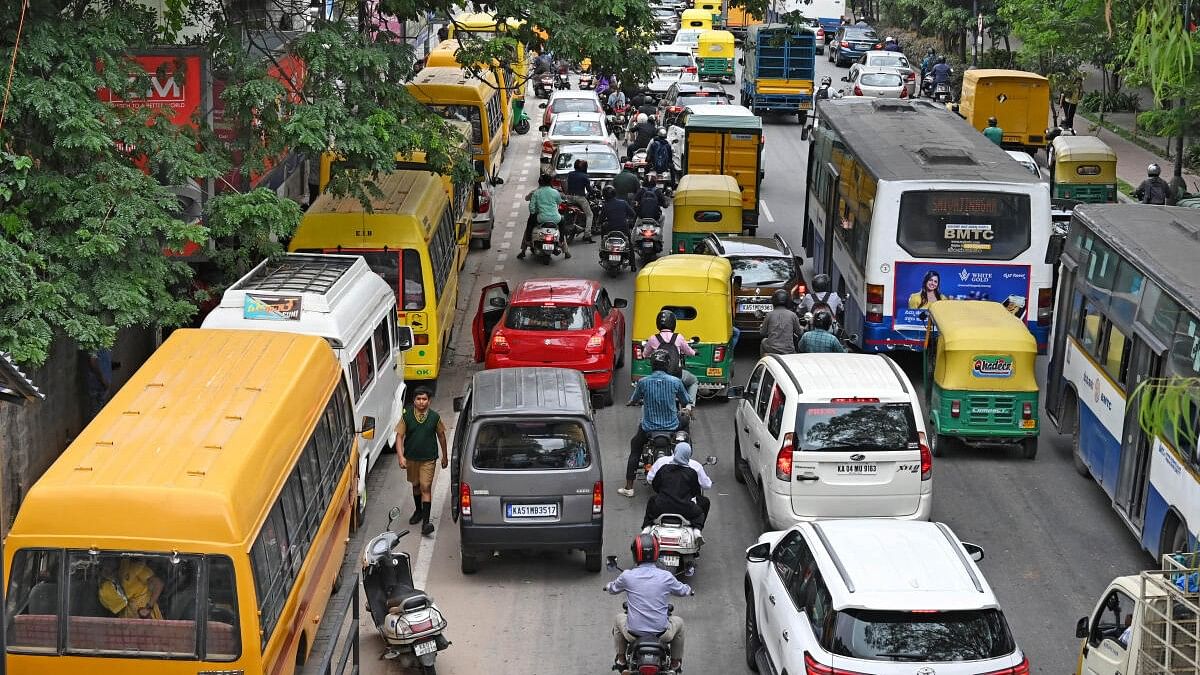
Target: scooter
[[615, 253], [520, 118], [544, 242], [645, 655], [648, 240], [587, 80], [941, 92], [573, 221], [562, 80], [679, 541], [543, 84], [406, 617]]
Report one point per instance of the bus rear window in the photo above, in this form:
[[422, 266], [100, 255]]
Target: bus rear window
[[391, 266], [463, 113], [961, 224]]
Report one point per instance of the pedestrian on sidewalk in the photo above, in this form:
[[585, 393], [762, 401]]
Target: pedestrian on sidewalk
[[1153, 190], [419, 435], [1068, 100], [993, 131]]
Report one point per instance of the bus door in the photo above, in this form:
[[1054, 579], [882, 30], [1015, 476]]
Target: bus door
[[834, 181], [1055, 382], [1133, 474]]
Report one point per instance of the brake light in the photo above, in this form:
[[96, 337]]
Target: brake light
[[845, 45], [783, 460], [484, 204], [875, 303], [1027, 410], [464, 500], [500, 343], [955, 409], [1045, 306], [637, 349], [690, 69], [598, 498], [857, 90], [547, 147], [926, 457], [682, 247], [421, 338], [911, 75], [675, 109], [820, 33], [548, 238], [1021, 668], [814, 667], [903, 92], [595, 344], [648, 669], [557, 185], [719, 353]]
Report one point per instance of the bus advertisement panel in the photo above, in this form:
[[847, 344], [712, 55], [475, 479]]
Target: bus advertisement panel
[[919, 283]]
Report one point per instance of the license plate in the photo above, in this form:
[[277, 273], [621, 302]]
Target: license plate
[[753, 307], [614, 256], [547, 247], [647, 244], [806, 105], [532, 510], [669, 560], [426, 647], [858, 469], [1028, 424], [714, 372]]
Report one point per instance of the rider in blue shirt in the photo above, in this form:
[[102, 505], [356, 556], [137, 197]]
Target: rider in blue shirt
[[661, 394], [646, 588]]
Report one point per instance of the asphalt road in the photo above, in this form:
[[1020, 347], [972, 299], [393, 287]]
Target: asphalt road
[[1051, 537]]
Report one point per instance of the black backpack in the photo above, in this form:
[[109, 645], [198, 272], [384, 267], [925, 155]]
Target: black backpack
[[648, 205], [662, 155], [1158, 193], [674, 358]]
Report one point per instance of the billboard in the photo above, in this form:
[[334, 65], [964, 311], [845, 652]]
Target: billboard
[[177, 82], [919, 283]]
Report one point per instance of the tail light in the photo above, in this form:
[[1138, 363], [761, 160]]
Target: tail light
[[648, 669], [719, 353], [682, 247], [1027, 410], [814, 667], [855, 399], [464, 500], [549, 239], [690, 69], [675, 109], [903, 92], [798, 291], [1045, 306], [845, 45], [875, 303], [926, 457], [955, 409], [598, 498], [548, 147], [500, 344], [857, 90], [820, 33], [557, 185], [911, 76], [1021, 668], [421, 338], [783, 460], [595, 344], [483, 204]]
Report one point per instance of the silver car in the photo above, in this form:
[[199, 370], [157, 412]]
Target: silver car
[[672, 64], [571, 127], [878, 83], [885, 60]]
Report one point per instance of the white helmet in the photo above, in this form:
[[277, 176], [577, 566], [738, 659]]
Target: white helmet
[[642, 118]]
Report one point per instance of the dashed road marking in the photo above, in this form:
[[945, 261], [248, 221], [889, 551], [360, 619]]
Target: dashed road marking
[[766, 211]]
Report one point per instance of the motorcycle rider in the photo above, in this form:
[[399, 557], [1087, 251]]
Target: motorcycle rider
[[927, 62], [823, 89], [543, 210], [666, 338], [650, 200], [627, 182], [1153, 190], [941, 72], [646, 588], [890, 44], [644, 132], [616, 215], [820, 292], [578, 187], [678, 482], [661, 156], [616, 100], [818, 339], [661, 394], [780, 327]]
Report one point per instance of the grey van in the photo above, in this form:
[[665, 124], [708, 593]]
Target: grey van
[[525, 465]]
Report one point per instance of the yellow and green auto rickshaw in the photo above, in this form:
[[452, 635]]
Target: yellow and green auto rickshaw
[[716, 8], [980, 386], [1083, 168], [695, 19], [715, 55], [698, 290], [703, 205]]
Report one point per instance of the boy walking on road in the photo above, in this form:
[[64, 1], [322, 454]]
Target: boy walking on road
[[419, 435]]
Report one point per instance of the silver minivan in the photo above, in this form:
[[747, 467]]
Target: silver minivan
[[525, 465]]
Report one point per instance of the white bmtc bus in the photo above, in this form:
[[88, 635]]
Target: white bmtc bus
[[1129, 310], [907, 204], [339, 298]]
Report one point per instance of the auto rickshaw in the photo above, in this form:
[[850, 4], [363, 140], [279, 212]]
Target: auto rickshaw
[[1083, 168], [703, 205], [980, 386], [698, 289], [715, 8], [715, 55], [695, 19]]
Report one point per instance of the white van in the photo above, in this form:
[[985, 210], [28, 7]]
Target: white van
[[832, 436], [339, 298]]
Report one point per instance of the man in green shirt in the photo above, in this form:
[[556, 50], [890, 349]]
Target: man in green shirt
[[543, 209], [419, 434], [993, 132]]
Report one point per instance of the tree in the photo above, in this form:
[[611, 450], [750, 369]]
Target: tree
[[1068, 33], [1167, 406]]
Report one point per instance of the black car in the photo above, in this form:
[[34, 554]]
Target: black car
[[764, 265], [683, 94]]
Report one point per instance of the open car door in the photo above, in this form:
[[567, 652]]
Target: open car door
[[493, 299]]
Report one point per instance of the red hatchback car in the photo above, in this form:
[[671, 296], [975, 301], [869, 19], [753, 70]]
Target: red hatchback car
[[565, 323]]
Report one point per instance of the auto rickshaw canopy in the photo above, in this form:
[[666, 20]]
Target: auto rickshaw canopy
[[707, 190], [715, 44], [973, 337], [696, 287]]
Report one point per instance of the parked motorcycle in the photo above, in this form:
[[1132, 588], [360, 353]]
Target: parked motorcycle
[[520, 118], [545, 242], [615, 253], [573, 221], [648, 239], [543, 84], [406, 617]]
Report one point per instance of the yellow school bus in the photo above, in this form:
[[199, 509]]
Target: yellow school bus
[[461, 195], [444, 55], [198, 523], [408, 239], [484, 24], [457, 95]]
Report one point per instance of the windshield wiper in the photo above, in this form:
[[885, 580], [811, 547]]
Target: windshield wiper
[[904, 656]]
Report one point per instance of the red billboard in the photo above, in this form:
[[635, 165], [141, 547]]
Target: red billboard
[[176, 84]]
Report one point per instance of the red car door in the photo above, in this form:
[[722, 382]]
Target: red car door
[[493, 300]]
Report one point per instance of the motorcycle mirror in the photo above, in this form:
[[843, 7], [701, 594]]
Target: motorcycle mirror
[[392, 515], [620, 303], [544, 128], [610, 562], [542, 105], [497, 180], [710, 461]]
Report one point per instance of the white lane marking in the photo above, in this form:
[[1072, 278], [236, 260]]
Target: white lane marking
[[524, 172], [494, 280], [501, 257], [441, 486], [766, 211], [498, 267], [509, 234]]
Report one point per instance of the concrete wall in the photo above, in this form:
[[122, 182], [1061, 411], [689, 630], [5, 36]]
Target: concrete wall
[[34, 435]]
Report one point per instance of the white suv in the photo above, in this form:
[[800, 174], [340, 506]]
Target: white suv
[[850, 597], [832, 436]]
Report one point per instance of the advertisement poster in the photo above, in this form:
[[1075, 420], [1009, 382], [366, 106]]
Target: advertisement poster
[[271, 307], [919, 283]]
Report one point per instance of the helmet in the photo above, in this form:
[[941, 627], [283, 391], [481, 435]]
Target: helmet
[[941, 59], [826, 81], [609, 192], [821, 283], [662, 132], [779, 298], [822, 319], [889, 39], [1153, 170], [642, 118], [992, 122], [930, 51], [665, 320], [644, 548], [660, 360]]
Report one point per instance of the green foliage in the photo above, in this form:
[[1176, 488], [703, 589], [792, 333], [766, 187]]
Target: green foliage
[[1163, 52], [1167, 406], [248, 227], [997, 58], [1191, 156], [1121, 101]]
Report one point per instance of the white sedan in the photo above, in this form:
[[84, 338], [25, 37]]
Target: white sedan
[[878, 83], [575, 127], [885, 60]]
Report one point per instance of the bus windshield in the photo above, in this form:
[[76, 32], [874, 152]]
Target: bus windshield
[[964, 224], [463, 113], [391, 265]]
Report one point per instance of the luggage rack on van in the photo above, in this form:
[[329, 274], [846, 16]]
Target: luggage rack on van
[[297, 273], [1170, 624]]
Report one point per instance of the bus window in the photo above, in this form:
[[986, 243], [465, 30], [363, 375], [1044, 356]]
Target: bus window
[[1116, 358], [414, 282], [1089, 328], [463, 113], [33, 607], [127, 603], [960, 224]]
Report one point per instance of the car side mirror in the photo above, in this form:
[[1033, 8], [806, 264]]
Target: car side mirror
[[975, 551], [1055, 248], [845, 79], [758, 553], [394, 513], [542, 105], [544, 128], [620, 303], [458, 403], [1081, 627], [368, 427], [737, 391], [498, 303], [404, 338]]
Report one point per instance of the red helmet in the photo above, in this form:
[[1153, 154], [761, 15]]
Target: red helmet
[[644, 548]]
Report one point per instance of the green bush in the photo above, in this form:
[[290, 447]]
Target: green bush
[[997, 58], [1113, 102], [1191, 157]]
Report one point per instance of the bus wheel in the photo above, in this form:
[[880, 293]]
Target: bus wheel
[[1175, 536], [1081, 466]]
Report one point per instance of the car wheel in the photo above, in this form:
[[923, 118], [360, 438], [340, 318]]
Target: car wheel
[[604, 397], [753, 641], [468, 563], [593, 561], [737, 459], [485, 243]]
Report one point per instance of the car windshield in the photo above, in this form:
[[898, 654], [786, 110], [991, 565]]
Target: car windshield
[[701, 97], [577, 128], [597, 161], [687, 37], [553, 317], [969, 635], [888, 61], [881, 80], [531, 445], [845, 425], [762, 271], [572, 104], [670, 60]]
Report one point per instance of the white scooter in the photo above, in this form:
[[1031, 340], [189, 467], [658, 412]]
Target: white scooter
[[544, 242], [679, 541], [407, 618]]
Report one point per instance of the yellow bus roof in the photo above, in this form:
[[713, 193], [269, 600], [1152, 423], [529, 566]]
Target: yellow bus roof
[[686, 273], [407, 199], [708, 189], [1082, 149], [450, 85], [989, 73], [194, 448], [480, 21], [980, 325]]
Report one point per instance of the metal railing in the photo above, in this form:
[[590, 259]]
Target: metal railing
[[1170, 625], [336, 650]]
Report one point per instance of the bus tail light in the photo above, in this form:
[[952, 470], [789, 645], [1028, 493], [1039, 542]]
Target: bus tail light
[[1027, 410], [875, 303], [464, 500], [1045, 306], [598, 498], [500, 344], [421, 338], [718, 353], [595, 344], [955, 409], [783, 460], [636, 349], [926, 456]]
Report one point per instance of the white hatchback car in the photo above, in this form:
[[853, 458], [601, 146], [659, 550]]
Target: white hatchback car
[[850, 597], [879, 83], [575, 128], [832, 436], [672, 63]]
